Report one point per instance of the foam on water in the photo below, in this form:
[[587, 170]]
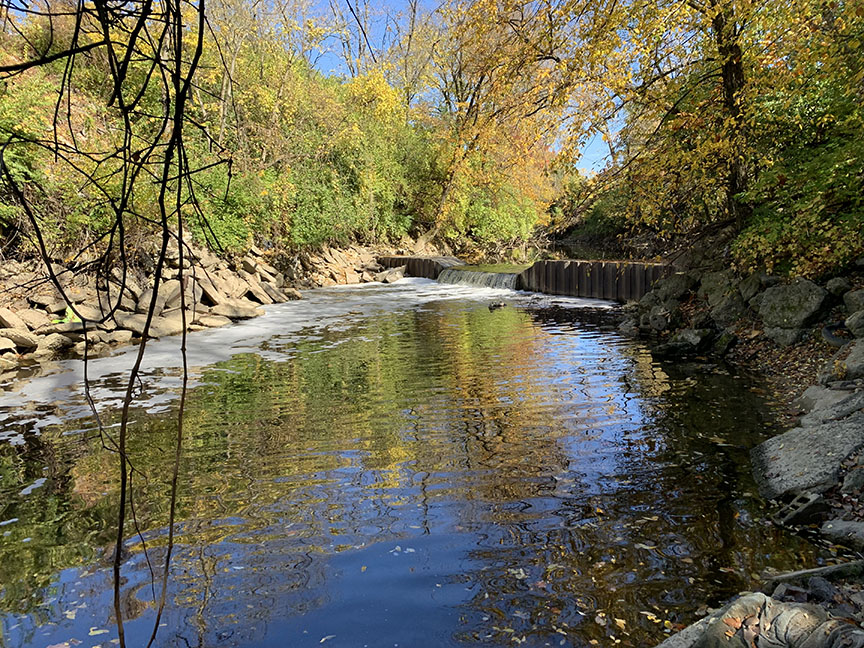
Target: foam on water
[[62, 382]]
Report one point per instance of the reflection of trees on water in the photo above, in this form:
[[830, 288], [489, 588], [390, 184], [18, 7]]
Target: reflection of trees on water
[[555, 447]]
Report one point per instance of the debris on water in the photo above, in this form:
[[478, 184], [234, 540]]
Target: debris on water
[[496, 305]]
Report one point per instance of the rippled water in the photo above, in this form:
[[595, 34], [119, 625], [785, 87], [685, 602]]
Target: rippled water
[[390, 466]]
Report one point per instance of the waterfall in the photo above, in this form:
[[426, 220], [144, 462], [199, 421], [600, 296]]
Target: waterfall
[[506, 280]]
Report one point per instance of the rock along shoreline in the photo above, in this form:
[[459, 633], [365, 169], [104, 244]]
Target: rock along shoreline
[[813, 472], [37, 325]]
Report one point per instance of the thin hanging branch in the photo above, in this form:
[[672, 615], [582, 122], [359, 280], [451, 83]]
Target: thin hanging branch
[[163, 41]]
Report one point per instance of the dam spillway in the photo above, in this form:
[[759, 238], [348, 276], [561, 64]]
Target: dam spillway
[[504, 280], [614, 280]]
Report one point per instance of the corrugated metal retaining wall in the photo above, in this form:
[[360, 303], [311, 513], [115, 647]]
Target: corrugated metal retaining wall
[[420, 266], [618, 280]]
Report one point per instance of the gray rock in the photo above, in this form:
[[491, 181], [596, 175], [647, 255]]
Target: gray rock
[[724, 342], [755, 302], [255, 290], [716, 285], [729, 310], [170, 325], [249, 264], [75, 326], [750, 287], [855, 323], [22, 338], [675, 286], [119, 336], [662, 318], [686, 342], [629, 327], [56, 307], [8, 319], [213, 321], [702, 320], [818, 397], [391, 276], [806, 458], [33, 318], [853, 482], [822, 590], [648, 301], [784, 336], [854, 300], [848, 533], [855, 361], [838, 286], [841, 409], [236, 309], [54, 342], [792, 306], [213, 289], [275, 294]]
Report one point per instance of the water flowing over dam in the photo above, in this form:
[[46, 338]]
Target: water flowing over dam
[[505, 280]]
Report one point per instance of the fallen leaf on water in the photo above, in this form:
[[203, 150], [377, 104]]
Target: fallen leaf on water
[[363, 568], [327, 638], [96, 631]]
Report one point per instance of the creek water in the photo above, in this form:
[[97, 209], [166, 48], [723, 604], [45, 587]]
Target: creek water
[[389, 466]]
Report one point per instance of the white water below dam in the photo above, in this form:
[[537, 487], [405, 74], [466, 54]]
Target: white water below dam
[[504, 280]]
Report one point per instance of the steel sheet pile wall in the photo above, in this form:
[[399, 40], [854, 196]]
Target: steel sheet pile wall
[[420, 266], [618, 280]]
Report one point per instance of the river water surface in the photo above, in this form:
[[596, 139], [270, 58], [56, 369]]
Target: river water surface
[[389, 466]]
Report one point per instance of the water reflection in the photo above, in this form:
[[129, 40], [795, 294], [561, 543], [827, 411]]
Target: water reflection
[[405, 470]]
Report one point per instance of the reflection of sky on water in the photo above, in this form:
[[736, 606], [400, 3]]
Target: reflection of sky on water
[[402, 466]]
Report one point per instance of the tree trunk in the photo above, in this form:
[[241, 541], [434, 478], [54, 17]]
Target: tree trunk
[[726, 34]]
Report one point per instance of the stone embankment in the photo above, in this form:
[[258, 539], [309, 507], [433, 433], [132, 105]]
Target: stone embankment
[[37, 324], [814, 471]]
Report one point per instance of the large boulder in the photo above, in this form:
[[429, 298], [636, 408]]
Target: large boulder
[[855, 323], [792, 306], [855, 361], [391, 276], [686, 342], [33, 318], [854, 300], [806, 459], [675, 286], [8, 319], [838, 286], [784, 336], [54, 342], [22, 338], [716, 286], [851, 403], [729, 310], [236, 309], [212, 321]]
